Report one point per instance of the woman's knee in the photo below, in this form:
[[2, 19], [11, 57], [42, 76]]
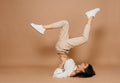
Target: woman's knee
[[85, 39]]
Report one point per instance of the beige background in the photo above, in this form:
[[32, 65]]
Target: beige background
[[22, 45], [29, 57]]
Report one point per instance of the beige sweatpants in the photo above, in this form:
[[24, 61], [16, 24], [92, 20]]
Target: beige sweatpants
[[64, 43]]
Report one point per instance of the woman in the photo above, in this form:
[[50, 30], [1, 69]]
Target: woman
[[65, 43]]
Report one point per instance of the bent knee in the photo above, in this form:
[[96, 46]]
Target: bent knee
[[85, 39]]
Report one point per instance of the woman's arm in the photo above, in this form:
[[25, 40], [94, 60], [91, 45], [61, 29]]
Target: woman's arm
[[63, 58], [61, 65], [59, 70]]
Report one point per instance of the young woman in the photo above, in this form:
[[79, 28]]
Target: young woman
[[67, 68]]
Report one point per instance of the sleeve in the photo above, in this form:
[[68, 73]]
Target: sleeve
[[59, 73], [68, 68]]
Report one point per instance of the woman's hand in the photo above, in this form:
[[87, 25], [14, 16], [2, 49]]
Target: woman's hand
[[63, 58]]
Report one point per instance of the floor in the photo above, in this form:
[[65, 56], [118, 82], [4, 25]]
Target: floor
[[43, 74]]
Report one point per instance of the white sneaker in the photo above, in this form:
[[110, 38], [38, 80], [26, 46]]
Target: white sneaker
[[93, 12], [39, 28]]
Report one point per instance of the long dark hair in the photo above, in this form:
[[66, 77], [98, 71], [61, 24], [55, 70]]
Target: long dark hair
[[89, 72]]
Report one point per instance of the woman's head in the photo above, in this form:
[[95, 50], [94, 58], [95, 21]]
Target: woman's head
[[84, 70]]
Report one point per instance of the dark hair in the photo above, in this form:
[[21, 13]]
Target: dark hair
[[89, 72]]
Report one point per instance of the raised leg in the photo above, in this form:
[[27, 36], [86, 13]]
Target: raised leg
[[82, 39]]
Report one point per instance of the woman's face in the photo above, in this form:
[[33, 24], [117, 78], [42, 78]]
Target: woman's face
[[81, 67]]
